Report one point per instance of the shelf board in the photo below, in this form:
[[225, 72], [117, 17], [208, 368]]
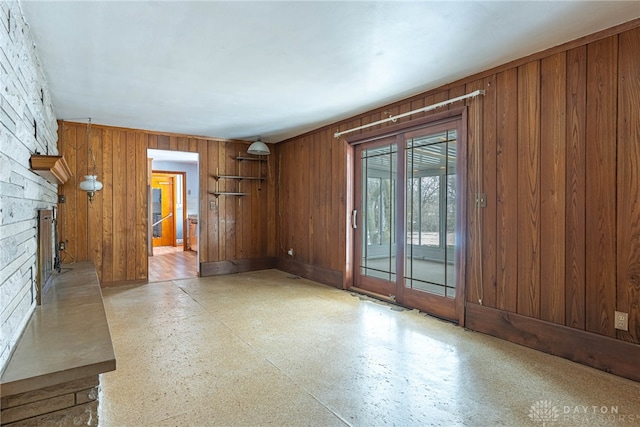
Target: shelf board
[[228, 193], [256, 178], [52, 168], [255, 159]]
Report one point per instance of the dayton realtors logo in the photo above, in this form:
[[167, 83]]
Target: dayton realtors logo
[[544, 411], [548, 413]]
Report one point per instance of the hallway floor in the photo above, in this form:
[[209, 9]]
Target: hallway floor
[[266, 348]]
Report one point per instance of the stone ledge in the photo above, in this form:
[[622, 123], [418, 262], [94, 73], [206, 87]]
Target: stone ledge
[[67, 338]]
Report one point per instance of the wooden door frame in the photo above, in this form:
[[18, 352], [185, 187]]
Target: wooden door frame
[[184, 201], [457, 308]]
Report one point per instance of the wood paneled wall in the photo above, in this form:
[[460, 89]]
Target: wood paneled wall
[[558, 139], [112, 231]]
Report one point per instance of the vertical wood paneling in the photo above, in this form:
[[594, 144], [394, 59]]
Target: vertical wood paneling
[[315, 208], [183, 143], [342, 164], [204, 219], [131, 245], [242, 207], [68, 225], [474, 186], [268, 197], [489, 186], [244, 225], [303, 199], [575, 193], [628, 183], [601, 185], [405, 107], [285, 189], [153, 141], [193, 145], [552, 187], [415, 105], [119, 206], [529, 189], [428, 100], [455, 92], [231, 204], [107, 206], [507, 190], [83, 167], [443, 95], [141, 217], [328, 228], [95, 217], [163, 142], [117, 221]]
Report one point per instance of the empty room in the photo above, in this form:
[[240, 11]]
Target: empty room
[[319, 213]]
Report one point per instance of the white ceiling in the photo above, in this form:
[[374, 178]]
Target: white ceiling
[[242, 69]]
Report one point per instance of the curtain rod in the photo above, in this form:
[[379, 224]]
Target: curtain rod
[[419, 110]]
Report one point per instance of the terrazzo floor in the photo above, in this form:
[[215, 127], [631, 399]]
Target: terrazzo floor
[[268, 349]]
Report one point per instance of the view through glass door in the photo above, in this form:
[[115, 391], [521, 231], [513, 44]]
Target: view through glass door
[[408, 199]]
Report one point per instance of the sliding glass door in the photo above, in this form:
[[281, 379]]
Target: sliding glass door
[[408, 198]]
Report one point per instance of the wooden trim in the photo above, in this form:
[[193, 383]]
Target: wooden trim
[[51, 168], [311, 272], [607, 354], [169, 135], [217, 268]]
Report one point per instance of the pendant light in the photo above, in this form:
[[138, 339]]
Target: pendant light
[[91, 183], [259, 148]]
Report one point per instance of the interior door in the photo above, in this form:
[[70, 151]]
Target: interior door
[[410, 206], [163, 210]]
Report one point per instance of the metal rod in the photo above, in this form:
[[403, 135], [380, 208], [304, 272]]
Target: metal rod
[[162, 219], [419, 110]]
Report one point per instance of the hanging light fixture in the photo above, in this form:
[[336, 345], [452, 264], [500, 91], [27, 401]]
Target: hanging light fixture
[[91, 183], [258, 148]]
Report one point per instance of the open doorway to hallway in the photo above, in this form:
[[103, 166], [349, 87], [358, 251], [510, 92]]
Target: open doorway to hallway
[[173, 193]]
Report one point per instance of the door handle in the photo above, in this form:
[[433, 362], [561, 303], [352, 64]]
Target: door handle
[[354, 218]]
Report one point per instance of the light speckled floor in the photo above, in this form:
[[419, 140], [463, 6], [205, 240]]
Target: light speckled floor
[[262, 348]]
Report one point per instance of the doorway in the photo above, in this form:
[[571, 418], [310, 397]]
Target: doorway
[[173, 215], [163, 209], [410, 205]]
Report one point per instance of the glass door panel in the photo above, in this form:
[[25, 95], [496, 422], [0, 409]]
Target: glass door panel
[[430, 213], [378, 212], [377, 218]]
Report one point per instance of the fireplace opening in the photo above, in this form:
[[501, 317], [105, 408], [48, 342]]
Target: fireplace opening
[[48, 258]]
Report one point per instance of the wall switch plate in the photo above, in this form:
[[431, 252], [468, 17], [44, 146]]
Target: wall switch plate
[[622, 321], [62, 198]]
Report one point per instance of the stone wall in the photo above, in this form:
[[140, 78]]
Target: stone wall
[[74, 403], [27, 125]]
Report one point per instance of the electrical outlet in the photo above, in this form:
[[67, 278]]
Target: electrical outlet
[[622, 321], [62, 246], [290, 252], [212, 205]]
